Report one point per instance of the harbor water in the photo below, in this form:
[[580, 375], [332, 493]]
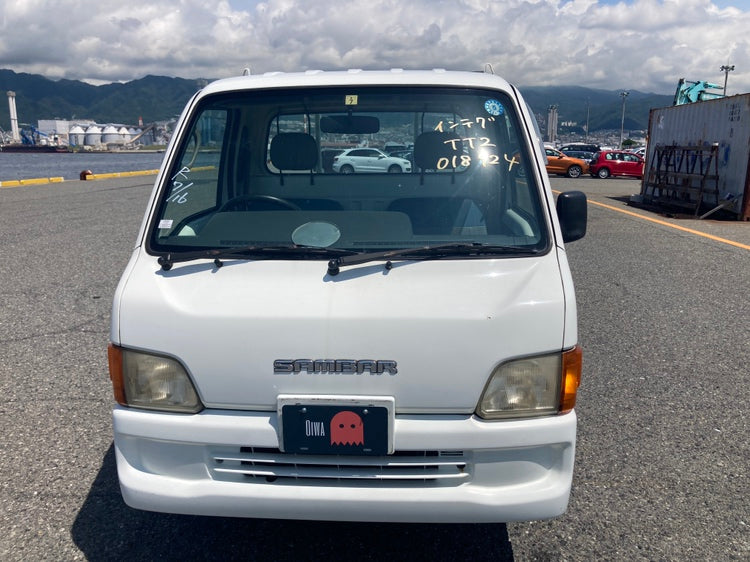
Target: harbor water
[[20, 166]]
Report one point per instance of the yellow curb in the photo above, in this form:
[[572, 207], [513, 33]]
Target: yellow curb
[[121, 174], [31, 181], [34, 181], [38, 181], [58, 179]]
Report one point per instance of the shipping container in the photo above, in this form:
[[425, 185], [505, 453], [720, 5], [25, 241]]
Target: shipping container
[[699, 157]]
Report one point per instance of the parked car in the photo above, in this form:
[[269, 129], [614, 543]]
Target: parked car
[[369, 160], [405, 154], [582, 154], [616, 163], [391, 147], [326, 157], [561, 164], [586, 147]]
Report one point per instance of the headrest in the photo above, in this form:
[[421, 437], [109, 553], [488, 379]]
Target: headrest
[[294, 151], [432, 146]]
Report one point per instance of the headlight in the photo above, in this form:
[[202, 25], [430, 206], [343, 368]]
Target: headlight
[[532, 386], [143, 380]]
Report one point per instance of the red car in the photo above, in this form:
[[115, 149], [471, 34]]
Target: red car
[[616, 163]]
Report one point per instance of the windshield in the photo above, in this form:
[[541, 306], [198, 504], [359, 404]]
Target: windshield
[[362, 169]]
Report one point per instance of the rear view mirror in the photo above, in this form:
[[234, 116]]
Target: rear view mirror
[[349, 124], [572, 212]]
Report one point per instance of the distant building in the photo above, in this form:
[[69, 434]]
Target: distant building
[[87, 133]]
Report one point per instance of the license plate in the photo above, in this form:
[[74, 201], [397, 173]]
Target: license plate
[[335, 429]]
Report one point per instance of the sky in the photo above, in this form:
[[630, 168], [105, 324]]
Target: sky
[[645, 45]]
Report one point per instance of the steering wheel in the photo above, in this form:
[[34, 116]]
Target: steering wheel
[[247, 202]]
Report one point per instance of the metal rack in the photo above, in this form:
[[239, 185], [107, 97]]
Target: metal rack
[[684, 175]]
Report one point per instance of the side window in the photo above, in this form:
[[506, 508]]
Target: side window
[[194, 179], [521, 202]]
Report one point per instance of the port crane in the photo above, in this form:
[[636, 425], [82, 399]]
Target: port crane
[[691, 92], [32, 135]]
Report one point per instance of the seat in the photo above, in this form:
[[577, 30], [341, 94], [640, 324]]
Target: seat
[[294, 152], [432, 215], [436, 150], [433, 146]]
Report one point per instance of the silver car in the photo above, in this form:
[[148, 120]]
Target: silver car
[[369, 160]]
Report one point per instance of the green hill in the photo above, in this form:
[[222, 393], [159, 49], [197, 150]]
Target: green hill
[[604, 107], [154, 98], [159, 98]]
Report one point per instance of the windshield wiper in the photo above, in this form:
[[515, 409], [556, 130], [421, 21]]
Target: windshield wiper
[[436, 251], [217, 254]]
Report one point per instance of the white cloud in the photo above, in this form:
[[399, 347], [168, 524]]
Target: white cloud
[[639, 44]]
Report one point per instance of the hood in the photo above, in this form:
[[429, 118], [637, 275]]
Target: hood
[[446, 324]]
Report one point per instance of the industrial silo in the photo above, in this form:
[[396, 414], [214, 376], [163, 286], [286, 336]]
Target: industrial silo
[[110, 135], [124, 134], [76, 136], [93, 136]]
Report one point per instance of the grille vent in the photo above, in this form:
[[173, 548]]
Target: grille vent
[[269, 465]]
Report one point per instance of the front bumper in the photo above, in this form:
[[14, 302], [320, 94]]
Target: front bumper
[[446, 469]]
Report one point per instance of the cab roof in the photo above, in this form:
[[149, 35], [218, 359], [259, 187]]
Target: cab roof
[[356, 77]]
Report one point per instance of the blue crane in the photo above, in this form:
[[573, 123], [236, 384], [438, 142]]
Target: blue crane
[[690, 92]]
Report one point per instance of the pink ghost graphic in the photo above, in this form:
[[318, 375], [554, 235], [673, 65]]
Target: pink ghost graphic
[[347, 429]]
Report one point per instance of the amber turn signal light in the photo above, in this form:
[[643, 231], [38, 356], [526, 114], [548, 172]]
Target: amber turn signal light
[[114, 354], [572, 362]]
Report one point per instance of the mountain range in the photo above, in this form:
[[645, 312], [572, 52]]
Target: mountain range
[[161, 98], [602, 109]]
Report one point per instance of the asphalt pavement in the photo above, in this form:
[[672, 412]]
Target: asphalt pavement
[[662, 457]]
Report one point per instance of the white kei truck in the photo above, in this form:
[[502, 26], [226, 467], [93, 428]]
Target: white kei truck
[[377, 343]]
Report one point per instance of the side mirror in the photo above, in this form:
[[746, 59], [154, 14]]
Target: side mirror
[[572, 211]]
